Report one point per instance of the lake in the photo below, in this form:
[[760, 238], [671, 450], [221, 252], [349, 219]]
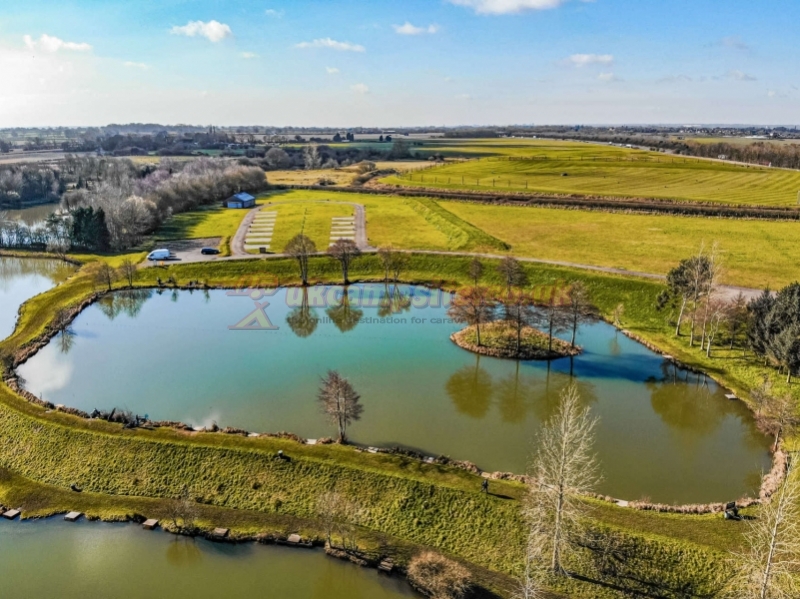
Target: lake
[[54, 558], [20, 280], [254, 361]]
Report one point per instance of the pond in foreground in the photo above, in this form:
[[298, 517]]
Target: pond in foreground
[[201, 357], [20, 280], [89, 559]]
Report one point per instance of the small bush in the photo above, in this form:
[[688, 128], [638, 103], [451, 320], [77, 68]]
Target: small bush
[[439, 577]]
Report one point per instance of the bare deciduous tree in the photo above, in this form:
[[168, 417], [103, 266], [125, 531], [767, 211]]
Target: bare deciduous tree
[[439, 577], [339, 515], [393, 263], [345, 251], [182, 511], [565, 470], [102, 274], [519, 311], [128, 271], [300, 247], [340, 402], [475, 270], [579, 308], [619, 312], [768, 569], [553, 318], [512, 273], [473, 306], [531, 583]]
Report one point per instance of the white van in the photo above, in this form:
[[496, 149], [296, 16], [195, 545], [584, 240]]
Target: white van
[[157, 255]]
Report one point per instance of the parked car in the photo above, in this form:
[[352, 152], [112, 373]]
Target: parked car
[[209, 251], [157, 255]]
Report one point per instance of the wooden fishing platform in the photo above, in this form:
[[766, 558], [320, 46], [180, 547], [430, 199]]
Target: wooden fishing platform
[[11, 514], [73, 516], [150, 524]]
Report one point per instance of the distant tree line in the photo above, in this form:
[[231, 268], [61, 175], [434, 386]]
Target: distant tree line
[[115, 203], [785, 155], [29, 184]]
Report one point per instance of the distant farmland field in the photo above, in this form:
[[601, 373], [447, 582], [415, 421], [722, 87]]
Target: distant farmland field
[[595, 170]]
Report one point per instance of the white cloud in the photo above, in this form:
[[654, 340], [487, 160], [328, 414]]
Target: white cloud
[[505, 7], [136, 65], [741, 76], [48, 43], [772, 93], [213, 31], [275, 14], [327, 42], [409, 29], [332, 70], [608, 77], [734, 42], [248, 55], [360, 88], [464, 97], [582, 60]]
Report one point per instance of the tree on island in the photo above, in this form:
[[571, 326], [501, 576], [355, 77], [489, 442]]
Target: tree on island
[[301, 247], [473, 306], [553, 318], [578, 308], [565, 471], [345, 251], [519, 312], [339, 402]]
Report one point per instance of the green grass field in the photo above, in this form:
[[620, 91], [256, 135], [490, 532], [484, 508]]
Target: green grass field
[[595, 170], [406, 223], [755, 253]]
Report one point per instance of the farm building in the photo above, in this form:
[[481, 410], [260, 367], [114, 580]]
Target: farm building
[[240, 200]]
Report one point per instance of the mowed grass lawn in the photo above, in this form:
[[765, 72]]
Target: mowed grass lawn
[[390, 220], [755, 253], [595, 170], [209, 221], [312, 219]]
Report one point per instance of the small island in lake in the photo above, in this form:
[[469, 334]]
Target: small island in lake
[[499, 340]]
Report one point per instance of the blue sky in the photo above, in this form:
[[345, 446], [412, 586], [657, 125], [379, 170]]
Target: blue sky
[[389, 63]]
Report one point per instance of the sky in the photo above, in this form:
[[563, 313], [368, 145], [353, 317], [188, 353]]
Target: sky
[[388, 63]]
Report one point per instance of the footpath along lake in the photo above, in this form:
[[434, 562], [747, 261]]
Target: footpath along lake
[[255, 362], [22, 279], [54, 558]]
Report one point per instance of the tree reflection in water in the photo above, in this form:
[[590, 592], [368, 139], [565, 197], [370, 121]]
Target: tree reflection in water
[[129, 302], [470, 389], [183, 551], [303, 320], [343, 315], [690, 407], [66, 340], [393, 301]]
